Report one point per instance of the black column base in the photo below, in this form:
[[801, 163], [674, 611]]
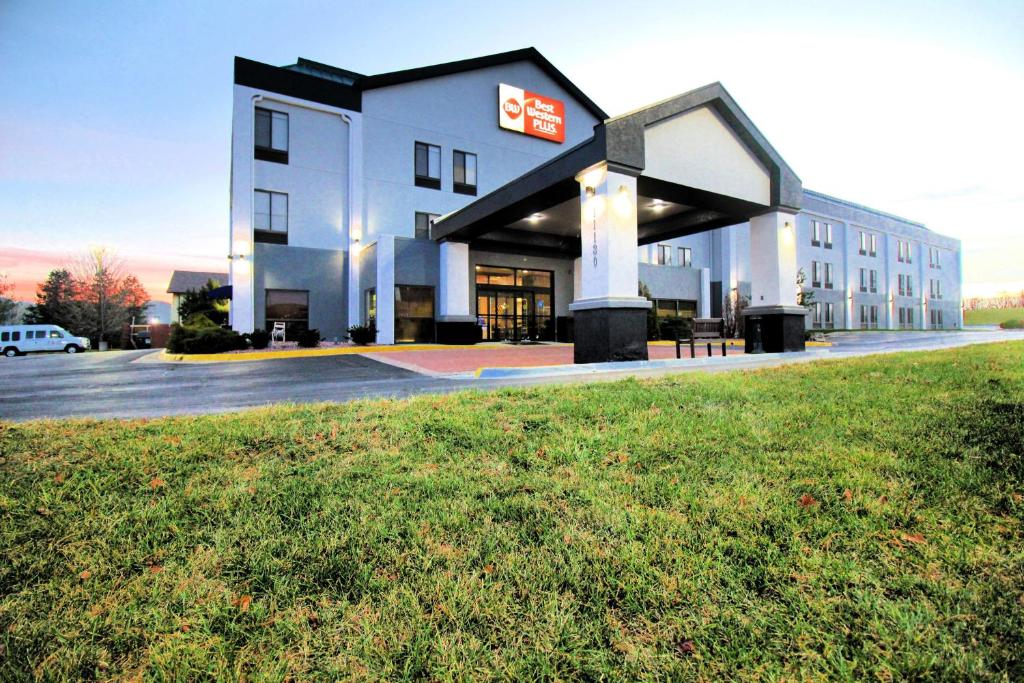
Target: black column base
[[609, 334], [774, 329], [458, 332]]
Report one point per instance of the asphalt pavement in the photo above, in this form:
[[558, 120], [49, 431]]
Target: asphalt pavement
[[112, 384]]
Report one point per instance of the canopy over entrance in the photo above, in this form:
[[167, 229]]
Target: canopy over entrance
[[700, 164], [685, 165]]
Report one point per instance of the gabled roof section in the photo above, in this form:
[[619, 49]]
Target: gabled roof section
[[529, 54], [185, 280], [625, 137], [337, 87]]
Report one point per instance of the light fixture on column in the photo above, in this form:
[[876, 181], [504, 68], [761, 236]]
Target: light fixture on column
[[622, 202], [241, 248]]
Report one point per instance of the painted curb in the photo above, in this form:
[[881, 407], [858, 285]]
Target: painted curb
[[634, 365]]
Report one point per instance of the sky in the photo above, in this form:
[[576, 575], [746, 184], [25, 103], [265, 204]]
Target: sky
[[115, 119]]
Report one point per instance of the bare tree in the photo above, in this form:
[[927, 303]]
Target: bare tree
[[8, 306]]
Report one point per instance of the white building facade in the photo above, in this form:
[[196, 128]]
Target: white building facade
[[411, 199]]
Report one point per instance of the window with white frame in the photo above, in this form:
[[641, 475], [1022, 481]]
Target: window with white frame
[[933, 258], [873, 245], [270, 216], [685, 257], [901, 289], [935, 289], [829, 314], [863, 279], [664, 255], [428, 166], [816, 314], [828, 235], [874, 281], [424, 221], [464, 172], [910, 285], [815, 234], [271, 136], [815, 274], [863, 243], [828, 276]]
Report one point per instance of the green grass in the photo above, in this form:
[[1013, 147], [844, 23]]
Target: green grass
[[992, 316], [853, 519]]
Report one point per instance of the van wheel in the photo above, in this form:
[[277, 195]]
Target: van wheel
[[10, 352], [71, 348]]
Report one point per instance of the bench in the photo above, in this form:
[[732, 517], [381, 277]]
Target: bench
[[708, 330]]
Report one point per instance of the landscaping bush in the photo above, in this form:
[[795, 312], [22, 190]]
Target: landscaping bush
[[671, 328], [1012, 324], [363, 334], [308, 339], [259, 339], [199, 320], [188, 339]]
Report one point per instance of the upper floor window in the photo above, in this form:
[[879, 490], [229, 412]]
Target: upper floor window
[[828, 276], [935, 289], [664, 255], [464, 172], [863, 279], [271, 140], [903, 252], [829, 314], [874, 281], [868, 244], [270, 217], [685, 257], [815, 274], [933, 258], [428, 166], [424, 222], [815, 234], [828, 235]]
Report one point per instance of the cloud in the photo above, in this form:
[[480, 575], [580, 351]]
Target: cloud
[[25, 268]]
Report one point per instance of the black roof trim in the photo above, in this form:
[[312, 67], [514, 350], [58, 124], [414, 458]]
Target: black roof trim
[[529, 54], [284, 81]]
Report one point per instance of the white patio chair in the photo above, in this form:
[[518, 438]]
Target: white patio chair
[[277, 334]]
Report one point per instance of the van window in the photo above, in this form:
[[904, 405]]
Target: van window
[[54, 334], [5, 336], [16, 335]]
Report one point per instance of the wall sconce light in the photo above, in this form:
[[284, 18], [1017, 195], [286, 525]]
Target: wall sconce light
[[241, 248], [589, 191]]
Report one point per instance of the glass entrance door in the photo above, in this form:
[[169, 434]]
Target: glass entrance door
[[512, 315]]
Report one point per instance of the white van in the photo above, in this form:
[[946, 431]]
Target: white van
[[17, 340]]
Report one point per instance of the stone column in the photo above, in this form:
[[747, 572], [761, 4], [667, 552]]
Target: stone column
[[386, 289], [455, 323], [775, 323], [610, 319], [705, 292]]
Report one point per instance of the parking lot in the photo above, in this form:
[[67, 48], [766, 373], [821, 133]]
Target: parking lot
[[113, 384]]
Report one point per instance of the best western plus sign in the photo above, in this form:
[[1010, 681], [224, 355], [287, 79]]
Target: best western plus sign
[[530, 113]]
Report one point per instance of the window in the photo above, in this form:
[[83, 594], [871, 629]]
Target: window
[[910, 286], [829, 314], [816, 314], [685, 257], [494, 275], [815, 234], [828, 235], [936, 318], [370, 306], [863, 243], [933, 258], [464, 172], [54, 334], [515, 303], [270, 217], [289, 306], [424, 222], [271, 143], [935, 289], [903, 251], [900, 287], [863, 280], [675, 308], [906, 318], [874, 281], [828, 276], [815, 274], [414, 313], [868, 317], [664, 255], [538, 279], [428, 166], [5, 336], [874, 245]]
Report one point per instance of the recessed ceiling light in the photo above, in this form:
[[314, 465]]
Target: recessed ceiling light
[[535, 217]]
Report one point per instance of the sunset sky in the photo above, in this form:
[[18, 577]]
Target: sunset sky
[[115, 117]]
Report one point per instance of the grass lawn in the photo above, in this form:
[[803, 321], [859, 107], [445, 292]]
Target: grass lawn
[[992, 316], [856, 519]]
